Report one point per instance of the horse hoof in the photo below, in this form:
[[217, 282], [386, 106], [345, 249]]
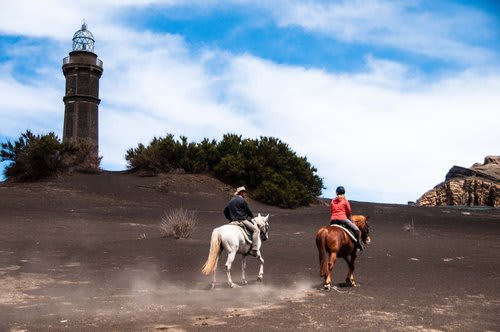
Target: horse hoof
[[326, 287], [350, 283], [212, 286], [259, 278], [244, 282]]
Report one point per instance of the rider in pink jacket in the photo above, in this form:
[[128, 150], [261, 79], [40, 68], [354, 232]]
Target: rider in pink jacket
[[341, 211]]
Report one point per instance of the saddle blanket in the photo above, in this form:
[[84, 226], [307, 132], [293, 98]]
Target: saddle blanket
[[246, 235], [347, 231]]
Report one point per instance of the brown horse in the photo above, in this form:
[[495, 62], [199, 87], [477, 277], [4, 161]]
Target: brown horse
[[333, 242]]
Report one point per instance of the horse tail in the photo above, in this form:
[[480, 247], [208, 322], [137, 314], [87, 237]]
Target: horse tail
[[323, 255], [213, 255]]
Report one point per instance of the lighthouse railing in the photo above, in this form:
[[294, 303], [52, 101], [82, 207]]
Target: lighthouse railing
[[67, 60]]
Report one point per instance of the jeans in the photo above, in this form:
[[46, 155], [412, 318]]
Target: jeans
[[255, 235], [352, 226]]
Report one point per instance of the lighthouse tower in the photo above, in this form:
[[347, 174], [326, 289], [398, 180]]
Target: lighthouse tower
[[82, 70]]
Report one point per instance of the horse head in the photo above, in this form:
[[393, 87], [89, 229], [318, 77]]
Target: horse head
[[362, 223], [263, 224]]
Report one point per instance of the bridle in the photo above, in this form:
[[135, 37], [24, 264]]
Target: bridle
[[365, 232], [263, 227]]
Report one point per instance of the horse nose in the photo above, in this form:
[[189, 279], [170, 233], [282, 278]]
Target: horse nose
[[368, 240]]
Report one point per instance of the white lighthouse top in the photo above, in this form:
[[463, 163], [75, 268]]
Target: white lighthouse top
[[83, 40]]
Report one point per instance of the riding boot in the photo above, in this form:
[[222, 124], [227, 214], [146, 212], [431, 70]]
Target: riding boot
[[359, 245]]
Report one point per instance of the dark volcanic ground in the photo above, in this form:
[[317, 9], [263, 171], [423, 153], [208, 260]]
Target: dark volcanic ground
[[85, 253]]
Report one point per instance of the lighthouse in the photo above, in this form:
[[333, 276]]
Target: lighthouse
[[82, 70]]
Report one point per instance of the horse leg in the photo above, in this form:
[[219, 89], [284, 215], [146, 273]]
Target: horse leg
[[328, 277], [243, 267], [261, 269], [229, 262], [212, 286], [350, 275]]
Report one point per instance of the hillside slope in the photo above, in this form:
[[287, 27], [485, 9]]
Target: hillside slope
[[85, 253]]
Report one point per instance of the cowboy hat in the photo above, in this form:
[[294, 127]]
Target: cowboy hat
[[240, 189]]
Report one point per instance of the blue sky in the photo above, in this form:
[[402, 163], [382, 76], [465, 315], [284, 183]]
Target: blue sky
[[383, 97]]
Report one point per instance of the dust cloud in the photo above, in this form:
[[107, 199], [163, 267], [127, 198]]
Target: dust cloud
[[76, 294]]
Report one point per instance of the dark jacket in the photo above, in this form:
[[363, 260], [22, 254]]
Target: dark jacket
[[237, 209]]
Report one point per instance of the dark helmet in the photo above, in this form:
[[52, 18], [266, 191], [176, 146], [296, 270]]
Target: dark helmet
[[340, 190]]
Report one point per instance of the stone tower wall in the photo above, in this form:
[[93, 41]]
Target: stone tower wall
[[81, 119]]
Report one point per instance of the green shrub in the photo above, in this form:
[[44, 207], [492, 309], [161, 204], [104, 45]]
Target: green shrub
[[266, 166], [230, 168], [146, 160], [34, 157]]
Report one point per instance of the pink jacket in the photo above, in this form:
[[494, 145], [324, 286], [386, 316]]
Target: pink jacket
[[340, 209]]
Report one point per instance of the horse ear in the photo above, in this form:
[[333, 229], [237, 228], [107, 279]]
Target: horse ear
[[266, 217], [258, 215]]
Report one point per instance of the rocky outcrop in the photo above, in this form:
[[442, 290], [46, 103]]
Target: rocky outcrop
[[478, 185]]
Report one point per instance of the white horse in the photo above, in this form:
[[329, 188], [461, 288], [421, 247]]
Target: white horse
[[229, 237]]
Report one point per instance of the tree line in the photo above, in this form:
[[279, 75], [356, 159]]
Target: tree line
[[267, 166]]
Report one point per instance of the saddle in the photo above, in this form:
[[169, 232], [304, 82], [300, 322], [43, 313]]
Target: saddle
[[347, 230], [247, 234]]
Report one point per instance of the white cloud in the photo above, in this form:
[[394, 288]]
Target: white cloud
[[54, 18], [375, 137], [33, 105], [384, 133], [404, 25]]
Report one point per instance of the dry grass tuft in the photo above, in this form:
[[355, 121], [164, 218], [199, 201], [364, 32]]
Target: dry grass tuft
[[178, 223], [410, 227]]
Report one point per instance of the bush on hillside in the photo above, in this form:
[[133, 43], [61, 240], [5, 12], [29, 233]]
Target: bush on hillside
[[34, 157], [267, 166]]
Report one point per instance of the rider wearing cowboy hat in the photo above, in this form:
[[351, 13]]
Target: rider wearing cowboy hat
[[237, 210]]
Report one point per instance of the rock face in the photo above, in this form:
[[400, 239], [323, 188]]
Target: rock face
[[478, 185]]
